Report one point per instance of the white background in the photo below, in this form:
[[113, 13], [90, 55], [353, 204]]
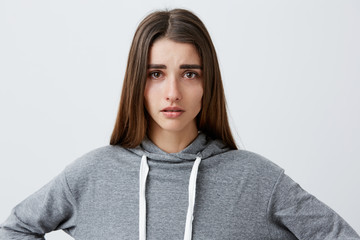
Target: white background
[[291, 71]]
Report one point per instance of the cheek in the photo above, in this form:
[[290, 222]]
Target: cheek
[[195, 98], [199, 94], [150, 96]]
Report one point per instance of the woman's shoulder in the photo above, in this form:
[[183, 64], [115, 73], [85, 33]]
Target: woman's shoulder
[[251, 162], [102, 153], [97, 161]]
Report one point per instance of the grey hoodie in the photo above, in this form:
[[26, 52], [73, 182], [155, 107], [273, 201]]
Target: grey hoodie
[[239, 195]]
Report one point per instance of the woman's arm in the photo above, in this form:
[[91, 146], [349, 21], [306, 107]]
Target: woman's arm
[[296, 210], [51, 208]]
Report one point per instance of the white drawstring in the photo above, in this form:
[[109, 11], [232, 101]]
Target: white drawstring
[[192, 193], [144, 170]]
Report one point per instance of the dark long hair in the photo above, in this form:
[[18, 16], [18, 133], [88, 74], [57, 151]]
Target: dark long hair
[[182, 26]]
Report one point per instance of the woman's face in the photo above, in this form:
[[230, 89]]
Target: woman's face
[[174, 87]]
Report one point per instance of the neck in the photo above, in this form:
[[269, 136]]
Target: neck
[[172, 142]]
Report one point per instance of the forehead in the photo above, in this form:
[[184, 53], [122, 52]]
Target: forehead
[[164, 50]]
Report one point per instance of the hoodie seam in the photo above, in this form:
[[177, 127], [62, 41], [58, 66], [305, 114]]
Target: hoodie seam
[[74, 202], [270, 201]]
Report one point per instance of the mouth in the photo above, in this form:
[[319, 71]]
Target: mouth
[[172, 112], [172, 109]]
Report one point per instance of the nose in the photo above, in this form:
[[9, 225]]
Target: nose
[[173, 91]]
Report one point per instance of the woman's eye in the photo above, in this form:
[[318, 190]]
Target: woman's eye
[[155, 75], [190, 75]]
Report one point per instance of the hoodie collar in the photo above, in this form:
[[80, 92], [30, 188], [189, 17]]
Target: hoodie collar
[[203, 147]]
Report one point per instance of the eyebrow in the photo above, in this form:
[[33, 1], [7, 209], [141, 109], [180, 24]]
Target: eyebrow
[[157, 66], [190, 66], [183, 66]]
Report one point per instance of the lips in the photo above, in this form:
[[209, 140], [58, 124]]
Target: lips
[[172, 109], [172, 112]]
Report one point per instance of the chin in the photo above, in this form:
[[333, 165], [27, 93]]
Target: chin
[[176, 127], [173, 128]]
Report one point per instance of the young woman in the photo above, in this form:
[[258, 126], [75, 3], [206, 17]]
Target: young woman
[[172, 169]]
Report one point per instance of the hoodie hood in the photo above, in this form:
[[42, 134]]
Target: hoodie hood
[[203, 147]]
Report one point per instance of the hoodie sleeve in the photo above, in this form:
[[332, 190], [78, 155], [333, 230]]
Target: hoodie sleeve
[[295, 210], [50, 208]]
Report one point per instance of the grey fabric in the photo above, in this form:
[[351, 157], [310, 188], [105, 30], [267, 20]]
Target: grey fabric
[[239, 195]]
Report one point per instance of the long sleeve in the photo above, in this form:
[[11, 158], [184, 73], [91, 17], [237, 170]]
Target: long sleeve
[[295, 210], [50, 208]]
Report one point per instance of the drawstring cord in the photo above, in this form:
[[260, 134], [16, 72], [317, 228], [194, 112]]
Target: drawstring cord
[[192, 193], [144, 170]]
